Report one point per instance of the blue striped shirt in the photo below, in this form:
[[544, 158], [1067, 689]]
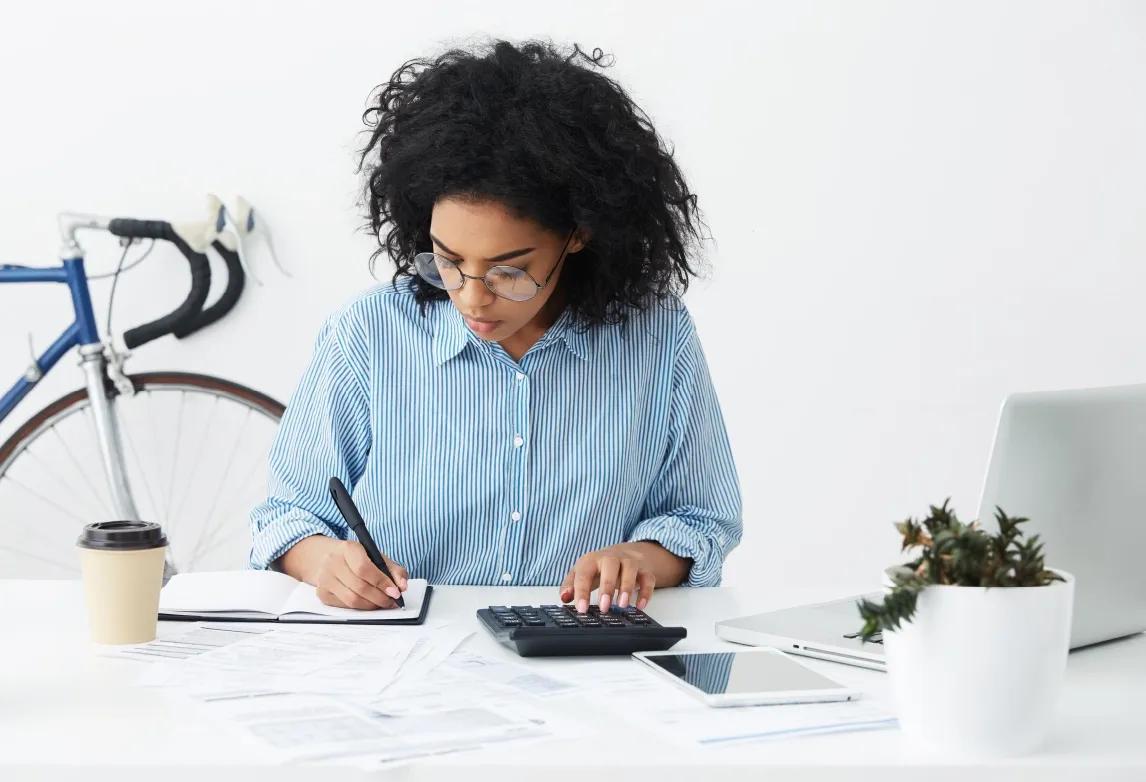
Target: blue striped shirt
[[472, 468]]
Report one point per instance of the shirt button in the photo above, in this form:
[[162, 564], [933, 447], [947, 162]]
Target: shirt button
[[506, 576], [518, 441], [519, 377], [515, 516]]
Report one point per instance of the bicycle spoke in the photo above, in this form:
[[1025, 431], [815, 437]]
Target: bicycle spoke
[[230, 458], [170, 522], [83, 472], [207, 541], [260, 461], [126, 429], [58, 482], [70, 567], [190, 480], [45, 500], [226, 471]]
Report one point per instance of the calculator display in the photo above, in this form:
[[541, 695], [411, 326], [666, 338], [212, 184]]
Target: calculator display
[[731, 673]]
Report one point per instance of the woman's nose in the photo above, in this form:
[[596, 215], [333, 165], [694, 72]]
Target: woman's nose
[[474, 294]]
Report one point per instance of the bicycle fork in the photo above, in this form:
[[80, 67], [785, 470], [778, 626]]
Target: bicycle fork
[[107, 431]]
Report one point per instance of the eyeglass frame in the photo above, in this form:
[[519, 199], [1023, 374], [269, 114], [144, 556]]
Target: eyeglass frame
[[482, 277]]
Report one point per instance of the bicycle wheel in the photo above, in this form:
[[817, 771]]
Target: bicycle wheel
[[195, 450]]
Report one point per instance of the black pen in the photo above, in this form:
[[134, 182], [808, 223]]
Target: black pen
[[354, 519]]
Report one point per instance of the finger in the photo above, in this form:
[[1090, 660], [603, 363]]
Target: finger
[[371, 596], [359, 564], [566, 589], [327, 597], [628, 585], [584, 578], [609, 569], [401, 575], [345, 597], [646, 582]]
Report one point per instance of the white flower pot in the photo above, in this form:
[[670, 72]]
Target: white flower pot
[[978, 670]]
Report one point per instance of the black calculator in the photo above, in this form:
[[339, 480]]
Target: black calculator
[[559, 630]]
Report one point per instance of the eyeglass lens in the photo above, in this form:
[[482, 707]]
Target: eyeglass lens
[[506, 281]]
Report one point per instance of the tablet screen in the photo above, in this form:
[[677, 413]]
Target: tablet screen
[[720, 673]]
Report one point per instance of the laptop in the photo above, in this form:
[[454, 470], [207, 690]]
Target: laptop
[[1074, 463]]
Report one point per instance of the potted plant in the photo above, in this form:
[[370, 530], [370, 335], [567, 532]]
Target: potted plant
[[976, 632]]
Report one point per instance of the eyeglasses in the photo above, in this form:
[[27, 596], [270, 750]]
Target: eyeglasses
[[508, 282]]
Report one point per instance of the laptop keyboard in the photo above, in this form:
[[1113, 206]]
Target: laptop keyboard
[[875, 639]]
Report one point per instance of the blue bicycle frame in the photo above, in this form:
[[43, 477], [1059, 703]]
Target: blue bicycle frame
[[82, 331]]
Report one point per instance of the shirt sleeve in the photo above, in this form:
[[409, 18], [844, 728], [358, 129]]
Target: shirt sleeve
[[324, 432], [693, 508]]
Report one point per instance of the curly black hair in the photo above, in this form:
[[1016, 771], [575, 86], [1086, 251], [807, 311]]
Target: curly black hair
[[548, 139]]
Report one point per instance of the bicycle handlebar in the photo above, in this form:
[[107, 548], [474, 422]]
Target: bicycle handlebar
[[236, 278], [189, 316]]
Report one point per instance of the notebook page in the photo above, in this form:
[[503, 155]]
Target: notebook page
[[265, 591], [303, 602]]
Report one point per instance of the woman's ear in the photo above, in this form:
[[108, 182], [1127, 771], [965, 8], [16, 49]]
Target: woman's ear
[[580, 239]]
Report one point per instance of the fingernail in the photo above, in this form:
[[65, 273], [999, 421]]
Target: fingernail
[[393, 592], [604, 605], [624, 601], [583, 605]]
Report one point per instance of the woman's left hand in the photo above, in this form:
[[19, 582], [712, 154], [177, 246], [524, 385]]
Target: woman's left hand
[[625, 569]]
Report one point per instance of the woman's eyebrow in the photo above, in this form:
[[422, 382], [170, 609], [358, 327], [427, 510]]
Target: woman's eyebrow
[[495, 259]]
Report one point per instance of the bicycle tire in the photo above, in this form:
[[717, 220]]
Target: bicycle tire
[[271, 406]]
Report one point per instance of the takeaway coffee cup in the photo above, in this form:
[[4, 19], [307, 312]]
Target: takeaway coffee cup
[[122, 564]]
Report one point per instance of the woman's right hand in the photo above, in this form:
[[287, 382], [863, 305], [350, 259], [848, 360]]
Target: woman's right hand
[[342, 573]]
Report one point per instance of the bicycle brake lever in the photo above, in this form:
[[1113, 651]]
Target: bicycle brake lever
[[229, 233], [255, 226]]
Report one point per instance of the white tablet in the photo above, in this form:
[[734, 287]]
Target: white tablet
[[746, 678]]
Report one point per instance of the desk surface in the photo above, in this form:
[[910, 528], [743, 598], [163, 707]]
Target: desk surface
[[66, 712]]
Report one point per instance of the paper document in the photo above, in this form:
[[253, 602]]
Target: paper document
[[198, 640], [311, 658]]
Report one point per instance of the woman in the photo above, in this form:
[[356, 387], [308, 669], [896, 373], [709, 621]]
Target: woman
[[526, 402]]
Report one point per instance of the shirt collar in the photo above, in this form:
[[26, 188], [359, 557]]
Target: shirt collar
[[575, 339], [451, 334]]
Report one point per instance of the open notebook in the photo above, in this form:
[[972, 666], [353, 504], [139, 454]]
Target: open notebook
[[269, 596]]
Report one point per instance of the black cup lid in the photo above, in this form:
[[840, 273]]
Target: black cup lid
[[122, 535]]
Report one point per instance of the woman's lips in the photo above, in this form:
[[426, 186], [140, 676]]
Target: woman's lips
[[482, 326]]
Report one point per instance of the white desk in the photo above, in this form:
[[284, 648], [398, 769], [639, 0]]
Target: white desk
[[66, 713]]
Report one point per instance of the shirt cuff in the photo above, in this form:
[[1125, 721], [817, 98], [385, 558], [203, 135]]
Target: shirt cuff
[[683, 539], [274, 538]]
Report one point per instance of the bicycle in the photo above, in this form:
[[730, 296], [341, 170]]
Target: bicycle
[[128, 424]]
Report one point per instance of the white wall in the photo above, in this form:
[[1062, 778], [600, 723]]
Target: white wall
[[917, 207]]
